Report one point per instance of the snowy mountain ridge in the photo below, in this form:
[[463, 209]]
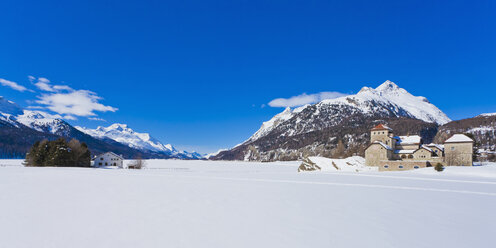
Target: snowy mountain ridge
[[43, 122], [141, 141], [316, 129], [388, 98], [275, 121], [13, 115], [123, 134]]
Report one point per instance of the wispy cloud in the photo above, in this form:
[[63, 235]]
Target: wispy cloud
[[96, 119], [13, 85], [45, 85], [75, 103], [70, 117], [304, 98]]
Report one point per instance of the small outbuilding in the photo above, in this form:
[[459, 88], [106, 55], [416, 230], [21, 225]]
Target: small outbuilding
[[108, 159]]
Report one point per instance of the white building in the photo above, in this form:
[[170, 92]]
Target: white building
[[108, 159]]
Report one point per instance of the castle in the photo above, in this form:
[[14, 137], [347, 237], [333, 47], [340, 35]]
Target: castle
[[391, 153]]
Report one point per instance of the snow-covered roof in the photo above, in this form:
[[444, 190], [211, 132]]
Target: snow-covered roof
[[116, 155], [426, 148], [404, 140], [404, 151], [383, 145], [459, 138], [438, 146]]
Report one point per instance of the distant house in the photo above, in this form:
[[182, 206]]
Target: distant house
[[108, 159], [390, 152]]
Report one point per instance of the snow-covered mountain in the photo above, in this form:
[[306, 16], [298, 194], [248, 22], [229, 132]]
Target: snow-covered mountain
[[387, 99], [213, 154], [319, 126], [487, 115], [33, 125], [44, 122], [123, 134], [275, 121], [37, 120], [141, 141], [8, 111]]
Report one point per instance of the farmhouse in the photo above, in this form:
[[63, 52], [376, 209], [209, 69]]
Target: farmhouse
[[108, 159], [390, 152]]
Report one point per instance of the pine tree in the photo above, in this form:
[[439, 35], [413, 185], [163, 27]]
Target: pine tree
[[59, 153], [439, 167]]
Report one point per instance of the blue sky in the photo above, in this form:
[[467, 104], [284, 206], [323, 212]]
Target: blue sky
[[197, 73]]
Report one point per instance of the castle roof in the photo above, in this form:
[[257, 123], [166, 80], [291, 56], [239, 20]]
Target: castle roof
[[438, 146], [426, 148], [404, 151], [381, 127], [406, 140], [382, 144], [459, 138]]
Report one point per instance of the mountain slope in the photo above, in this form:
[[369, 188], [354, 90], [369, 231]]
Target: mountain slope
[[142, 141], [482, 127], [19, 129], [123, 134], [317, 129]]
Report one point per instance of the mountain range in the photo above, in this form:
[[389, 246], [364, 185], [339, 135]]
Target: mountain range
[[340, 127], [20, 128], [331, 128]]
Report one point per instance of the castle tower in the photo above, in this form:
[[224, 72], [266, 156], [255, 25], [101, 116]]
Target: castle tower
[[383, 134]]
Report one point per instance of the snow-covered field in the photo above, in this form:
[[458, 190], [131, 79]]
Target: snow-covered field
[[177, 203]]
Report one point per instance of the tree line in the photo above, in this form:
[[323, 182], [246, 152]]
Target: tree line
[[59, 153]]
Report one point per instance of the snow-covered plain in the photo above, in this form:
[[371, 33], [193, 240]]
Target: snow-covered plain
[[176, 203]]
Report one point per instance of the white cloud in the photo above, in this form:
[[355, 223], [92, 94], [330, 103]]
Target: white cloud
[[75, 103], [96, 119], [13, 85], [70, 117], [66, 101], [62, 87], [44, 85], [35, 107], [303, 99]]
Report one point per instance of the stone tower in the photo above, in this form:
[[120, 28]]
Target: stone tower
[[383, 134]]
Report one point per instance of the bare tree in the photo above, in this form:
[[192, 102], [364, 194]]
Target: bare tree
[[451, 158], [138, 164], [339, 150]]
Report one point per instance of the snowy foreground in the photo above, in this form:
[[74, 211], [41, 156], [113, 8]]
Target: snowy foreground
[[239, 204]]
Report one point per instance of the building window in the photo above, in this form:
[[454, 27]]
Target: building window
[[401, 166], [410, 156], [101, 158], [100, 163], [415, 167], [386, 166], [403, 156], [106, 163]]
